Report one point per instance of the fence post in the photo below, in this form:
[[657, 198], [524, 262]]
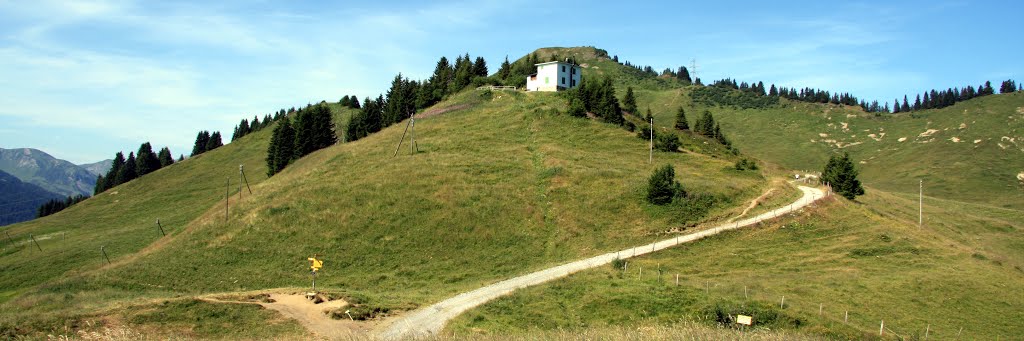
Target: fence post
[[782, 304], [881, 328], [677, 280]]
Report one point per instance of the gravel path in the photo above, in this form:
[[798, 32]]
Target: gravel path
[[430, 320]]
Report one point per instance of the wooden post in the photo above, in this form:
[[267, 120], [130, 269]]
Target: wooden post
[[227, 189], [239, 183], [820, 306], [34, 241], [782, 304], [677, 280], [745, 293], [707, 288], [958, 333], [402, 140], [881, 328], [641, 275], [160, 227], [244, 179], [9, 239], [103, 249], [926, 330], [846, 317]]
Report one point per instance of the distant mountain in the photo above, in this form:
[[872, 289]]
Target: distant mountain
[[20, 200], [98, 168], [52, 174]]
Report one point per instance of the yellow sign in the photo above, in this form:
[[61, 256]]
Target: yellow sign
[[744, 319], [316, 264]]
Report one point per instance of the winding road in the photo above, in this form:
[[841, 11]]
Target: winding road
[[430, 320]]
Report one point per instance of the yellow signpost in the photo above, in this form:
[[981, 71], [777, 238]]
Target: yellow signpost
[[744, 320], [315, 265]]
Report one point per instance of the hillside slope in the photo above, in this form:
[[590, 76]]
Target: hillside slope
[[504, 186]]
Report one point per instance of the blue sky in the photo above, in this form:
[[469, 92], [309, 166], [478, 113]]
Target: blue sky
[[85, 79]]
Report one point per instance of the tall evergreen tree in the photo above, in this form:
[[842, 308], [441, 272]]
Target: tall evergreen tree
[[842, 176], [128, 172], [98, 188], [906, 105], [146, 161], [165, 157], [442, 76], [681, 122], [202, 139], [629, 102], [114, 173], [480, 67], [505, 69], [281, 149], [214, 142]]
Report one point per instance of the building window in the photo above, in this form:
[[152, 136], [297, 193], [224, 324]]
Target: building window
[[563, 68], [563, 80]]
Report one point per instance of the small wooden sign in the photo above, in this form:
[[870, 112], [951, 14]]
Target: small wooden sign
[[744, 320]]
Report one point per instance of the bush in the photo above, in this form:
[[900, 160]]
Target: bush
[[666, 143], [744, 164], [662, 187]]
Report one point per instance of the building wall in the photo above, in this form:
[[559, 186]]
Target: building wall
[[550, 77]]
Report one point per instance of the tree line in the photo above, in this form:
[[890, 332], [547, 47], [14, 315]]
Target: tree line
[[57, 205], [296, 135], [943, 98], [406, 96], [245, 127], [136, 165]]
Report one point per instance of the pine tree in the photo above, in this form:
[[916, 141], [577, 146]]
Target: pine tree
[[505, 69], [662, 186], [146, 161], [114, 173], [773, 92], [345, 101], [214, 142], [281, 148], [629, 102], [684, 75], [202, 139], [165, 157], [681, 122], [128, 172], [576, 108], [906, 105], [480, 67], [98, 188], [842, 176]]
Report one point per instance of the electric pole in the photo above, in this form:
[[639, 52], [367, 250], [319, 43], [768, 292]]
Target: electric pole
[[651, 158]]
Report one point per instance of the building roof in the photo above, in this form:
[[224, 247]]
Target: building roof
[[554, 62]]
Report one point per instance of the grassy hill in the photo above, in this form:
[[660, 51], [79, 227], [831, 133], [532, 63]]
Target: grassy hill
[[869, 259], [505, 186]]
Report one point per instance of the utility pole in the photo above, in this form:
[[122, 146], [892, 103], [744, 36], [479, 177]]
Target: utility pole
[[693, 69], [920, 204], [651, 157]]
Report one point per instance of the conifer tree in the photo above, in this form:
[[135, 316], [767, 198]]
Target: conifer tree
[[629, 102], [662, 186], [354, 103], [165, 157], [128, 172], [480, 67], [842, 176], [505, 69], [281, 148], [202, 139], [214, 142], [98, 188], [114, 173], [906, 105], [681, 122], [255, 124], [146, 161], [576, 108]]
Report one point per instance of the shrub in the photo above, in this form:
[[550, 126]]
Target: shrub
[[666, 143], [744, 164], [662, 187]]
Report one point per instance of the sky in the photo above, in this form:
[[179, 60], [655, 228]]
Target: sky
[[85, 79]]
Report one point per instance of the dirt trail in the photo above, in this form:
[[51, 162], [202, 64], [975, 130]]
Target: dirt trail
[[430, 320], [753, 204], [311, 316]]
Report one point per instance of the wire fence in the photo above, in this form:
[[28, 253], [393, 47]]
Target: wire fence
[[829, 314]]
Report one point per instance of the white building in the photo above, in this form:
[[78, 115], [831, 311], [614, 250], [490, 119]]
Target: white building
[[553, 76]]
